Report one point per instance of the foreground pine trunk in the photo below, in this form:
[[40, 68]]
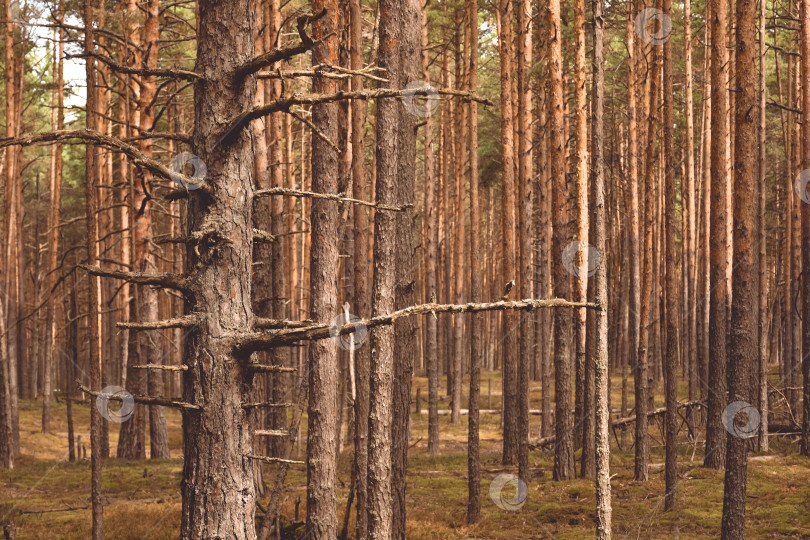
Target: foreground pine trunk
[[218, 489], [743, 338]]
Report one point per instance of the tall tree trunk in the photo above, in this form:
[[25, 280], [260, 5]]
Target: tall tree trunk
[[432, 196], [715, 434], [324, 257], [525, 174], [362, 272], [743, 338], [600, 362], [643, 392], [93, 300], [218, 486], [805, 79], [477, 350], [564, 448], [671, 282]]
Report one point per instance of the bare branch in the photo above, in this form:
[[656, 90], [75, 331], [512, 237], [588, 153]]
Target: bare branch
[[260, 322], [263, 368], [328, 71], [273, 459], [277, 338], [115, 66], [276, 55], [266, 405], [271, 432], [329, 196], [169, 281], [161, 367], [100, 138], [146, 400], [284, 103], [186, 321]]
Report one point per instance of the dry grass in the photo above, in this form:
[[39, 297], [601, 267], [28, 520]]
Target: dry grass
[[143, 498]]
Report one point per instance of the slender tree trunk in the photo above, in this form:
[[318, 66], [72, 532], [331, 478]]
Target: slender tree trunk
[[477, 350], [510, 352], [805, 80], [525, 174], [564, 449], [744, 342], [600, 361], [671, 283], [763, 254], [362, 271], [715, 433]]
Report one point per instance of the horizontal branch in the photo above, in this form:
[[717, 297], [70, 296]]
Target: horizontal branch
[[176, 73], [271, 432], [267, 459], [169, 281], [784, 107], [146, 400], [329, 196], [277, 338], [277, 55], [266, 405], [260, 322], [106, 140], [264, 368], [284, 103], [161, 367], [328, 71], [186, 321], [546, 441]]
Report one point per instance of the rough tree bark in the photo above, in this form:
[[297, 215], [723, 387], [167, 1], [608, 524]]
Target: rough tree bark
[[564, 449], [715, 434], [323, 359], [743, 339], [510, 357]]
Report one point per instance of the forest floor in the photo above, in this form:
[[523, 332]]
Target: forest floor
[[47, 497]]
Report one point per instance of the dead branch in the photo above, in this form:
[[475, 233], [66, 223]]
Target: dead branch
[[260, 322], [105, 140], [328, 71], [169, 281], [329, 196], [186, 321], [162, 367], [266, 405], [546, 441], [146, 400], [276, 55], [277, 338], [271, 432], [176, 73], [285, 103], [273, 459], [264, 368]]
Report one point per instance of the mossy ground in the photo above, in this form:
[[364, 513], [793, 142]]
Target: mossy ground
[[143, 497]]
